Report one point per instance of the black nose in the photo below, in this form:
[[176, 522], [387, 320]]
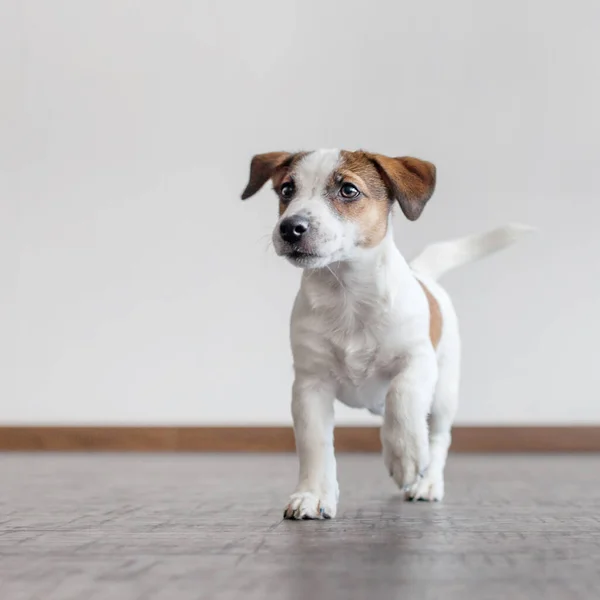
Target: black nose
[[293, 228]]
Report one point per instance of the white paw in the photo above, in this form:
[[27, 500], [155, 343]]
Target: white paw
[[405, 464], [429, 488], [307, 505]]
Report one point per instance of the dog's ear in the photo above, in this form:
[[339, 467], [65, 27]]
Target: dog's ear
[[262, 168], [410, 181]]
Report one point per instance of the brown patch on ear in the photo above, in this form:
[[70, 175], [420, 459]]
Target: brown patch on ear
[[411, 182], [435, 317], [262, 168], [372, 209]]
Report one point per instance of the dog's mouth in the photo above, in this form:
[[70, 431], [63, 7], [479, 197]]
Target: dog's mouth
[[301, 257], [300, 254]]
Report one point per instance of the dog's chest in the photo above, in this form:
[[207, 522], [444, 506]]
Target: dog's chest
[[352, 334], [362, 367], [357, 356]]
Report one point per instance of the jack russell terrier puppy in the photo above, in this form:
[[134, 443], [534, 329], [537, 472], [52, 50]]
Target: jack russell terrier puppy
[[367, 328]]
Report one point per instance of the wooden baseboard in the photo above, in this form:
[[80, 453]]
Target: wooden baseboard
[[281, 439]]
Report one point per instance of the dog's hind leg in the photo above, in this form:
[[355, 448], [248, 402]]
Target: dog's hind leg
[[443, 411]]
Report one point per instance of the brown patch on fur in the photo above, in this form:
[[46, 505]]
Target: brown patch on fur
[[262, 168], [265, 166], [411, 182], [435, 317], [372, 209], [283, 174]]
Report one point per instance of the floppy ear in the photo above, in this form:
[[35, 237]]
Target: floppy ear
[[262, 168], [411, 182]]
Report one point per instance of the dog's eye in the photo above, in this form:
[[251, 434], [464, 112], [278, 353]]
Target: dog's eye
[[287, 190], [349, 191]]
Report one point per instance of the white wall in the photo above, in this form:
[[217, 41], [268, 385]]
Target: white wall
[[136, 287]]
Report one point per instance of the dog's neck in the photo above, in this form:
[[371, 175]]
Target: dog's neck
[[369, 281]]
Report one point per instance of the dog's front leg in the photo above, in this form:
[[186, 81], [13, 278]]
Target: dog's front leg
[[404, 431], [317, 491]]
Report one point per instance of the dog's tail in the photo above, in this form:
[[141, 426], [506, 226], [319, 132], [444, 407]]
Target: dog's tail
[[441, 257]]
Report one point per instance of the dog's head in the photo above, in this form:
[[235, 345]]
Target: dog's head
[[333, 204]]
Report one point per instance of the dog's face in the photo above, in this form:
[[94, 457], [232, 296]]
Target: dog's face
[[333, 204]]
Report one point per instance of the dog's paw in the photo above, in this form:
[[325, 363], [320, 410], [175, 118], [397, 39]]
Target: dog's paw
[[404, 465], [429, 488], [308, 505]]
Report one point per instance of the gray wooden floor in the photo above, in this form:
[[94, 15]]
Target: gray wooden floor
[[179, 527]]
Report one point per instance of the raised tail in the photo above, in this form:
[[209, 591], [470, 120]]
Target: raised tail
[[441, 257]]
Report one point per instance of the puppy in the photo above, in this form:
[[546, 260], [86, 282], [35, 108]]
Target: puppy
[[367, 328]]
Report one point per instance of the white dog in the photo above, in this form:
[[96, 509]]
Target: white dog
[[367, 328]]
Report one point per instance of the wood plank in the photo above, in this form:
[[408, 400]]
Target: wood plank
[[209, 527], [281, 439]]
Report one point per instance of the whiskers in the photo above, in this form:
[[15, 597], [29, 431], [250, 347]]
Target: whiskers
[[268, 238]]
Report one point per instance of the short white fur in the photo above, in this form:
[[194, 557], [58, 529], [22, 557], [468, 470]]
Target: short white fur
[[360, 333]]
